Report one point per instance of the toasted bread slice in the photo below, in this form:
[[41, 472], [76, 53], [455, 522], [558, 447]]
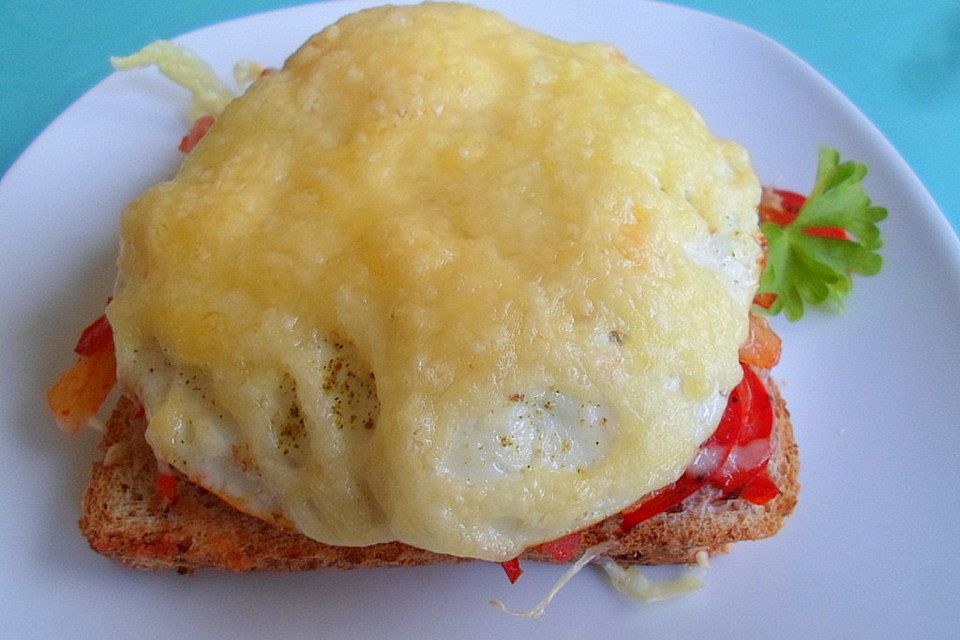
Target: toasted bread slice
[[125, 517]]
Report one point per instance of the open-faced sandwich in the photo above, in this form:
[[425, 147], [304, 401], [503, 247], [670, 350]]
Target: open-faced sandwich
[[440, 288]]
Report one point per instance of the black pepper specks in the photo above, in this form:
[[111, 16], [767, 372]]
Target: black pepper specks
[[352, 389]]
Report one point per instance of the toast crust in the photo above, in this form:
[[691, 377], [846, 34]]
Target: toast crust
[[125, 518]]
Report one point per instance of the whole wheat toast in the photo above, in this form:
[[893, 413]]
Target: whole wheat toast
[[126, 518]]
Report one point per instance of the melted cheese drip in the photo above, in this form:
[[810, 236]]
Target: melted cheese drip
[[440, 280]]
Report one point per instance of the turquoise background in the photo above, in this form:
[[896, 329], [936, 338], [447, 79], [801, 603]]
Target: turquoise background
[[898, 61]]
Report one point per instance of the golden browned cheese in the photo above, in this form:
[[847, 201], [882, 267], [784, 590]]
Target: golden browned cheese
[[441, 280]]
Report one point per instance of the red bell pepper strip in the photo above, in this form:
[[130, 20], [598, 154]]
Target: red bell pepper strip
[[661, 501], [749, 456], [760, 490], [513, 569], [95, 337], [764, 300], [763, 346], [562, 549], [78, 394], [199, 129], [736, 454], [782, 207]]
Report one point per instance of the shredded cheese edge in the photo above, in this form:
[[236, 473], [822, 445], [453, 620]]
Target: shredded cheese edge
[[187, 69]]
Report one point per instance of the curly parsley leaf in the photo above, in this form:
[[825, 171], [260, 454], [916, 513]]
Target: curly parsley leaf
[[806, 268]]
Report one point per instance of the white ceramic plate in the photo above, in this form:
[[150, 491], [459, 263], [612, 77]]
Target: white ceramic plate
[[875, 392]]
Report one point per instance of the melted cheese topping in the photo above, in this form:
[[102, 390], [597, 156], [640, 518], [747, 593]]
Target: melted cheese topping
[[440, 280]]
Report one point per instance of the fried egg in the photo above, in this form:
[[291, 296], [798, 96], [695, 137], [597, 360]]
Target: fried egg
[[441, 280]]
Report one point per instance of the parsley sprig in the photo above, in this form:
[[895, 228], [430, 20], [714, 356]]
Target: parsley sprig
[[804, 268]]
